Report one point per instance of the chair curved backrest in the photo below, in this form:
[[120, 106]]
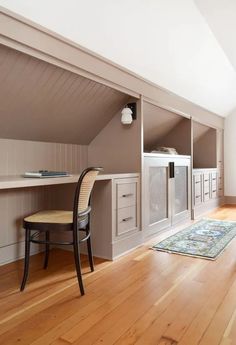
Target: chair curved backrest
[[83, 191]]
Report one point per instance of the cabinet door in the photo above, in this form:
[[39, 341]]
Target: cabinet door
[[181, 204], [156, 205]]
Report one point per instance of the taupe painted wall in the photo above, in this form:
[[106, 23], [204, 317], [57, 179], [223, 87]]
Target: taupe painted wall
[[117, 147], [180, 137], [205, 150], [165, 128], [157, 123]]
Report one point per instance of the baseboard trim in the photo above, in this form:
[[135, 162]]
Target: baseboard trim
[[15, 252], [206, 207], [230, 199]]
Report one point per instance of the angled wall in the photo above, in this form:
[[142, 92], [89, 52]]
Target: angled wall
[[117, 147]]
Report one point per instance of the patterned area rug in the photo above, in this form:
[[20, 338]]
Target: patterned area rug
[[205, 239]]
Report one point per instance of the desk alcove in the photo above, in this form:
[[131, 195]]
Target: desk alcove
[[52, 118]]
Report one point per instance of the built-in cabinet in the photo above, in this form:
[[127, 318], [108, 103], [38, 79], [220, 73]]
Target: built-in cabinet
[[166, 191], [207, 192], [205, 186], [208, 169], [127, 208]]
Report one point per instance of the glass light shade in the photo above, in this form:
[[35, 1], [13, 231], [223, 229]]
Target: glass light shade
[[126, 116]]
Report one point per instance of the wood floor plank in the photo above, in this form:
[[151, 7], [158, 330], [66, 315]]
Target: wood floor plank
[[123, 288], [132, 309], [102, 288], [222, 317], [143, 298]]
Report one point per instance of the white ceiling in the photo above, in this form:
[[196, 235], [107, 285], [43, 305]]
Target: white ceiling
[[185, 46]]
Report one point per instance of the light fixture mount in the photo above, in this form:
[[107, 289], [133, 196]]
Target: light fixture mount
[[132, 107]]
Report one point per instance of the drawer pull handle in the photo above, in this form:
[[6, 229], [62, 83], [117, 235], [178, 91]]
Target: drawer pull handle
[[198, 196], [206, 193], [206, 180], [197, 182], [127, 219], [213, 191], [126, 195], [214, 179]]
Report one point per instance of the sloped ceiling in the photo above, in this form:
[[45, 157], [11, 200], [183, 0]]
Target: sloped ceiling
[[221, 18], [42, 102], [168, 42]]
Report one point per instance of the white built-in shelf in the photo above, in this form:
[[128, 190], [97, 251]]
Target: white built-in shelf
[[8, 182], [204, 169], [164, 155]]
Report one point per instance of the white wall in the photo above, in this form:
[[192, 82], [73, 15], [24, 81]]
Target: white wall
[[166, 41], [230, 155]]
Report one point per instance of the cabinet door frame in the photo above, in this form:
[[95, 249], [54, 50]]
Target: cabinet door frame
[[153, 228], [176, 218]]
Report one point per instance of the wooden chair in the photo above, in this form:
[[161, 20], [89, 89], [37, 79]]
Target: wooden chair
[[55, 220]]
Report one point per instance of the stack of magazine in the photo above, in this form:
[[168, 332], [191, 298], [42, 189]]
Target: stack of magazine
[[45, 173]]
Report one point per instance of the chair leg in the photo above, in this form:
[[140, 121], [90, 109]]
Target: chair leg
[[78, 265], [90, 254], [27, 257], [47, 248]]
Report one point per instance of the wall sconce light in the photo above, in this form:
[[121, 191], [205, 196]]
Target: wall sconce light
[[128, 114]]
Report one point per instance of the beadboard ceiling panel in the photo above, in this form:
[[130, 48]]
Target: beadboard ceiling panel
[[42, 102], [158, 122]]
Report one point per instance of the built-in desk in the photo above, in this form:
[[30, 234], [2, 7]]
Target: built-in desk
[[115, 219], [17, 181]]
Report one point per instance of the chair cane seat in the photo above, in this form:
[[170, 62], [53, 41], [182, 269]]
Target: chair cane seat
[[51, 216]]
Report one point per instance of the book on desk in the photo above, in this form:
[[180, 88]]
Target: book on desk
[[45, 173]]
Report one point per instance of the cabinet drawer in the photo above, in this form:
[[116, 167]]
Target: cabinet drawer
[[213, 184], [206, 187], [206, 177], [214, 193], [213, 176], [197, 189], [206, 196], [197, 178], [126, 220], [126, 194], [197, 199]]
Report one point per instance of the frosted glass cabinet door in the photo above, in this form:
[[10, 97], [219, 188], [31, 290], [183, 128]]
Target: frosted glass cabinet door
[[156, 208], [181, 203]]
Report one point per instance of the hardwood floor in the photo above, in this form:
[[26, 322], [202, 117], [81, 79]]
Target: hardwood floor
[[143, 298]]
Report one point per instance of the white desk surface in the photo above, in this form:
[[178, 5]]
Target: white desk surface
[[12, 181]]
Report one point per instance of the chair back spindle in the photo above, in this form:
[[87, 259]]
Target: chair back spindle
[[83, 190], [86, 189]]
